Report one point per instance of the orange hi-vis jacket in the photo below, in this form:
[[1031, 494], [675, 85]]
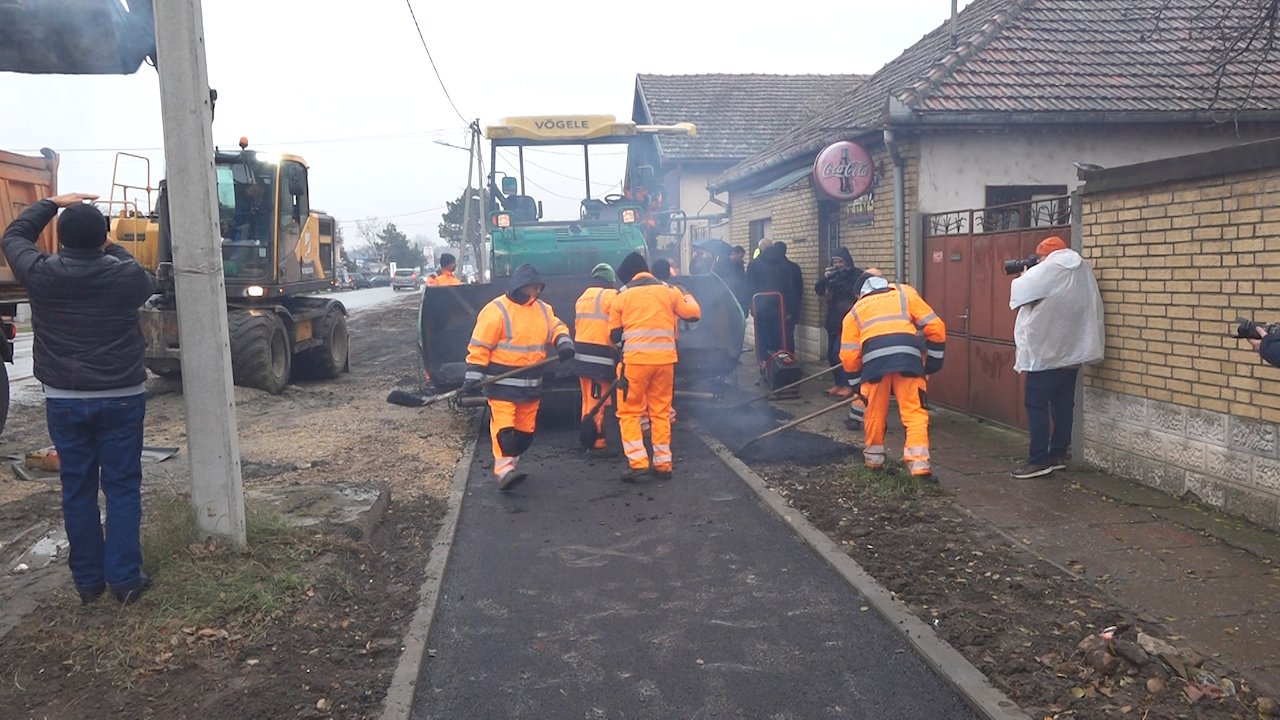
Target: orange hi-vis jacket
[[593, 350], [644, 319], [882, 336], [444, 279], [510, 336]]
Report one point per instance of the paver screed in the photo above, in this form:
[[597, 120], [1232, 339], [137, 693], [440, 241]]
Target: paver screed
[[579, 596]]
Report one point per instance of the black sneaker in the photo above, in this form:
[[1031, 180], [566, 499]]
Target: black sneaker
[[1028, 471], [662, 474], [1059, 462], [510, 480], [130, 594], [634, 474], [90, 595]]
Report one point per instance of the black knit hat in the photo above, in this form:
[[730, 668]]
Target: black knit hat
[[82, 227], [630, 266], [446, 259]]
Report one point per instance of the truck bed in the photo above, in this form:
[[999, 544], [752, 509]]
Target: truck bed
[[23, 181]]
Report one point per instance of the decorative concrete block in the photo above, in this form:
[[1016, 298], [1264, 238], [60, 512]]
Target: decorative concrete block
[[1162, 476], [1254, 506], [1133, 411], [1207, 426], [1256, 437], [1209, 490], [1095, 401], [1167, 417], [1183, 452], [1266, 474], [1098, 456], [1231, 465]]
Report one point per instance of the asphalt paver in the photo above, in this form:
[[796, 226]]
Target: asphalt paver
[[577, 595]]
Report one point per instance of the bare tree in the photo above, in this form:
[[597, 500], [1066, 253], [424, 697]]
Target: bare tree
[[371, 231]]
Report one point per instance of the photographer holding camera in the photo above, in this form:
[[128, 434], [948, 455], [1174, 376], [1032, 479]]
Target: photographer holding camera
[[1264, 338], [1058, 329]]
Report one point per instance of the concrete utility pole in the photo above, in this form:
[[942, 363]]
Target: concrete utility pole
[[482, 262], [217, 491], [463, 238]]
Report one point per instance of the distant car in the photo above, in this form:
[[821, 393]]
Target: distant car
[[357, 281], [379, 281], [407, 279]]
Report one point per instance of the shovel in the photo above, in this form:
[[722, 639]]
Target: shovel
[[400, 397], [793, 423], [588, 433], [771, 393]]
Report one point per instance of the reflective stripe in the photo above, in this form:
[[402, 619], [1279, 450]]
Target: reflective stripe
[[891, 350], [519, 382], [661, 458], [915, 452], [479, 343], [633, 334], [874, 452], [506, 318], [885, 318], [584, 357], [855, 380], [593, 316], [857, 412], [546, 316], [850, 346], [473, 375], [504, 345], [917, 466], [902, 298], [635, 451], [504, 465], [651, 346], [936, 354], [926, 319]]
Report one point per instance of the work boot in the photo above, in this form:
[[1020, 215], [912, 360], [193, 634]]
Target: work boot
[[127, 595], [634, 474], [89, 595], [662, 473], [1028, 471], [510, 480]]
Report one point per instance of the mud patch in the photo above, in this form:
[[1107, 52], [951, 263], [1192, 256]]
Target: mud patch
[[735, 427]]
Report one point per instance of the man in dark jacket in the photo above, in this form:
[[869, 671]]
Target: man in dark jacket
[[772, 272], [89, 355], [837, 286]]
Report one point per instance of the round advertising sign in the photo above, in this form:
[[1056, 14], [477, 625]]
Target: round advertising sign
[[844, 171]]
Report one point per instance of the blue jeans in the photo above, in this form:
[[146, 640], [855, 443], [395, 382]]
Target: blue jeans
[[838, 376], [1050, 397], [99, 445]]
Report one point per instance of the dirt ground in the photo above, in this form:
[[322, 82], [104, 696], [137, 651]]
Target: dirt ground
[[331, 651], [1019, 620]]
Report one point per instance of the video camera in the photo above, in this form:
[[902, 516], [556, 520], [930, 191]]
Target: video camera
[[1246, 329], [1013, 267]]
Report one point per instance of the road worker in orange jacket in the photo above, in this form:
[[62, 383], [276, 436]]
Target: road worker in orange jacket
[[446, 278], [514, 330], [595, 356], [883, 352], [643, 322]]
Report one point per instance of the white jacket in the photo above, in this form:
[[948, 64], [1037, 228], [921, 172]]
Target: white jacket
[[1060, 315]]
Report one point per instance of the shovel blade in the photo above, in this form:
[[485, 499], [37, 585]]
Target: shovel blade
[[400, 397]]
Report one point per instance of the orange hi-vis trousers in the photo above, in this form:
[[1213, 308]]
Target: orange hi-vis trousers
[[910, 392], [589, 388], [511, 427], [649, 389]]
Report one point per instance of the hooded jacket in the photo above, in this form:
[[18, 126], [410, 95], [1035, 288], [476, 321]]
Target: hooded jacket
[[644, 320], [84, 308], [515, 331], [594, 353], [840, 290], [1060, 314]]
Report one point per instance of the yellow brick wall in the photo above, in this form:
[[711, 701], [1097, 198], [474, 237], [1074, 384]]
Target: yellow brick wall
[[1176, 264], [793, 213]]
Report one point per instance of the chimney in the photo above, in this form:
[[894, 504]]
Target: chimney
[[954, 12]]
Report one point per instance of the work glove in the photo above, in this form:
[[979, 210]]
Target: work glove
[[564, 348], [472, 378], [469, 385]]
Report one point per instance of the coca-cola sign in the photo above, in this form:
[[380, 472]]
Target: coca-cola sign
[[844, 171]]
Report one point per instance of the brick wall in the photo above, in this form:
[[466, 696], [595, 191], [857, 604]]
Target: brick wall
[[1177, 404], [793, 214]]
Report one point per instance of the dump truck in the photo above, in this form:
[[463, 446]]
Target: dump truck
[[23, 181], [277, 252], [605, 229]]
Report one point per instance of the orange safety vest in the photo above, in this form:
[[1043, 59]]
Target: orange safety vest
[[647, 312], [881, 335], [444, 279], [593, 350], [510, 336]]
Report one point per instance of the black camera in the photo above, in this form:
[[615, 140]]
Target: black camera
[[1013, 267], [1246, 329]]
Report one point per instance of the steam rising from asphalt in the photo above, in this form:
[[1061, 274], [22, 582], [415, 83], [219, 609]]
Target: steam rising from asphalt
[[795, 446]]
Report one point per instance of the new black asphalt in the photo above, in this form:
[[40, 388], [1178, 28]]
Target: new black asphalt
[[579, 596]]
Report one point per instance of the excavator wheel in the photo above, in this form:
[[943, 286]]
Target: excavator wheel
[[330, 359], [171, 369], [260, 353]]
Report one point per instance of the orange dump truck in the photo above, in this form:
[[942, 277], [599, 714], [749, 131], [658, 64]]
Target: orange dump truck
[[23, 181]]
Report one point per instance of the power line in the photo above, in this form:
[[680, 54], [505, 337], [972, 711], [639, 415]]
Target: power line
[[433, 62], [388, 217], [313, 141], [507, 155]]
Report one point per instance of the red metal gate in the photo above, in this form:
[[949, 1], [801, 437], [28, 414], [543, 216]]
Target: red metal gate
[[964, 281]]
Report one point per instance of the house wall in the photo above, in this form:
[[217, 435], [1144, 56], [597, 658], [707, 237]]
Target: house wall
[[956, 166], [1177, 404]]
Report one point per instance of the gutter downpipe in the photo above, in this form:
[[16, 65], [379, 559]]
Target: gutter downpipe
[[899, 207]]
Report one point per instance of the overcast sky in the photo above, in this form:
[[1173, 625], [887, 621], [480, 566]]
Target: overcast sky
[[347, 85]]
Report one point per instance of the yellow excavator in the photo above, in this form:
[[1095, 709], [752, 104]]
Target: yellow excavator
[[276, 253]]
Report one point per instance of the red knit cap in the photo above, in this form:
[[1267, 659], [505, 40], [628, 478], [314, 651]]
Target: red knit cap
[[1050, 244]]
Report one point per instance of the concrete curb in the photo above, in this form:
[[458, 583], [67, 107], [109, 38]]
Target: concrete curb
[[398, 704], [972, 685]]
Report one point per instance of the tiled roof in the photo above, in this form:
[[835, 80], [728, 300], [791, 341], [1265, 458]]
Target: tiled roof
[[737, 115], [1056, 60]]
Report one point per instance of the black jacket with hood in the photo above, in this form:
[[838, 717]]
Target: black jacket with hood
[[841, 291], [84, 308], [773, 272]]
